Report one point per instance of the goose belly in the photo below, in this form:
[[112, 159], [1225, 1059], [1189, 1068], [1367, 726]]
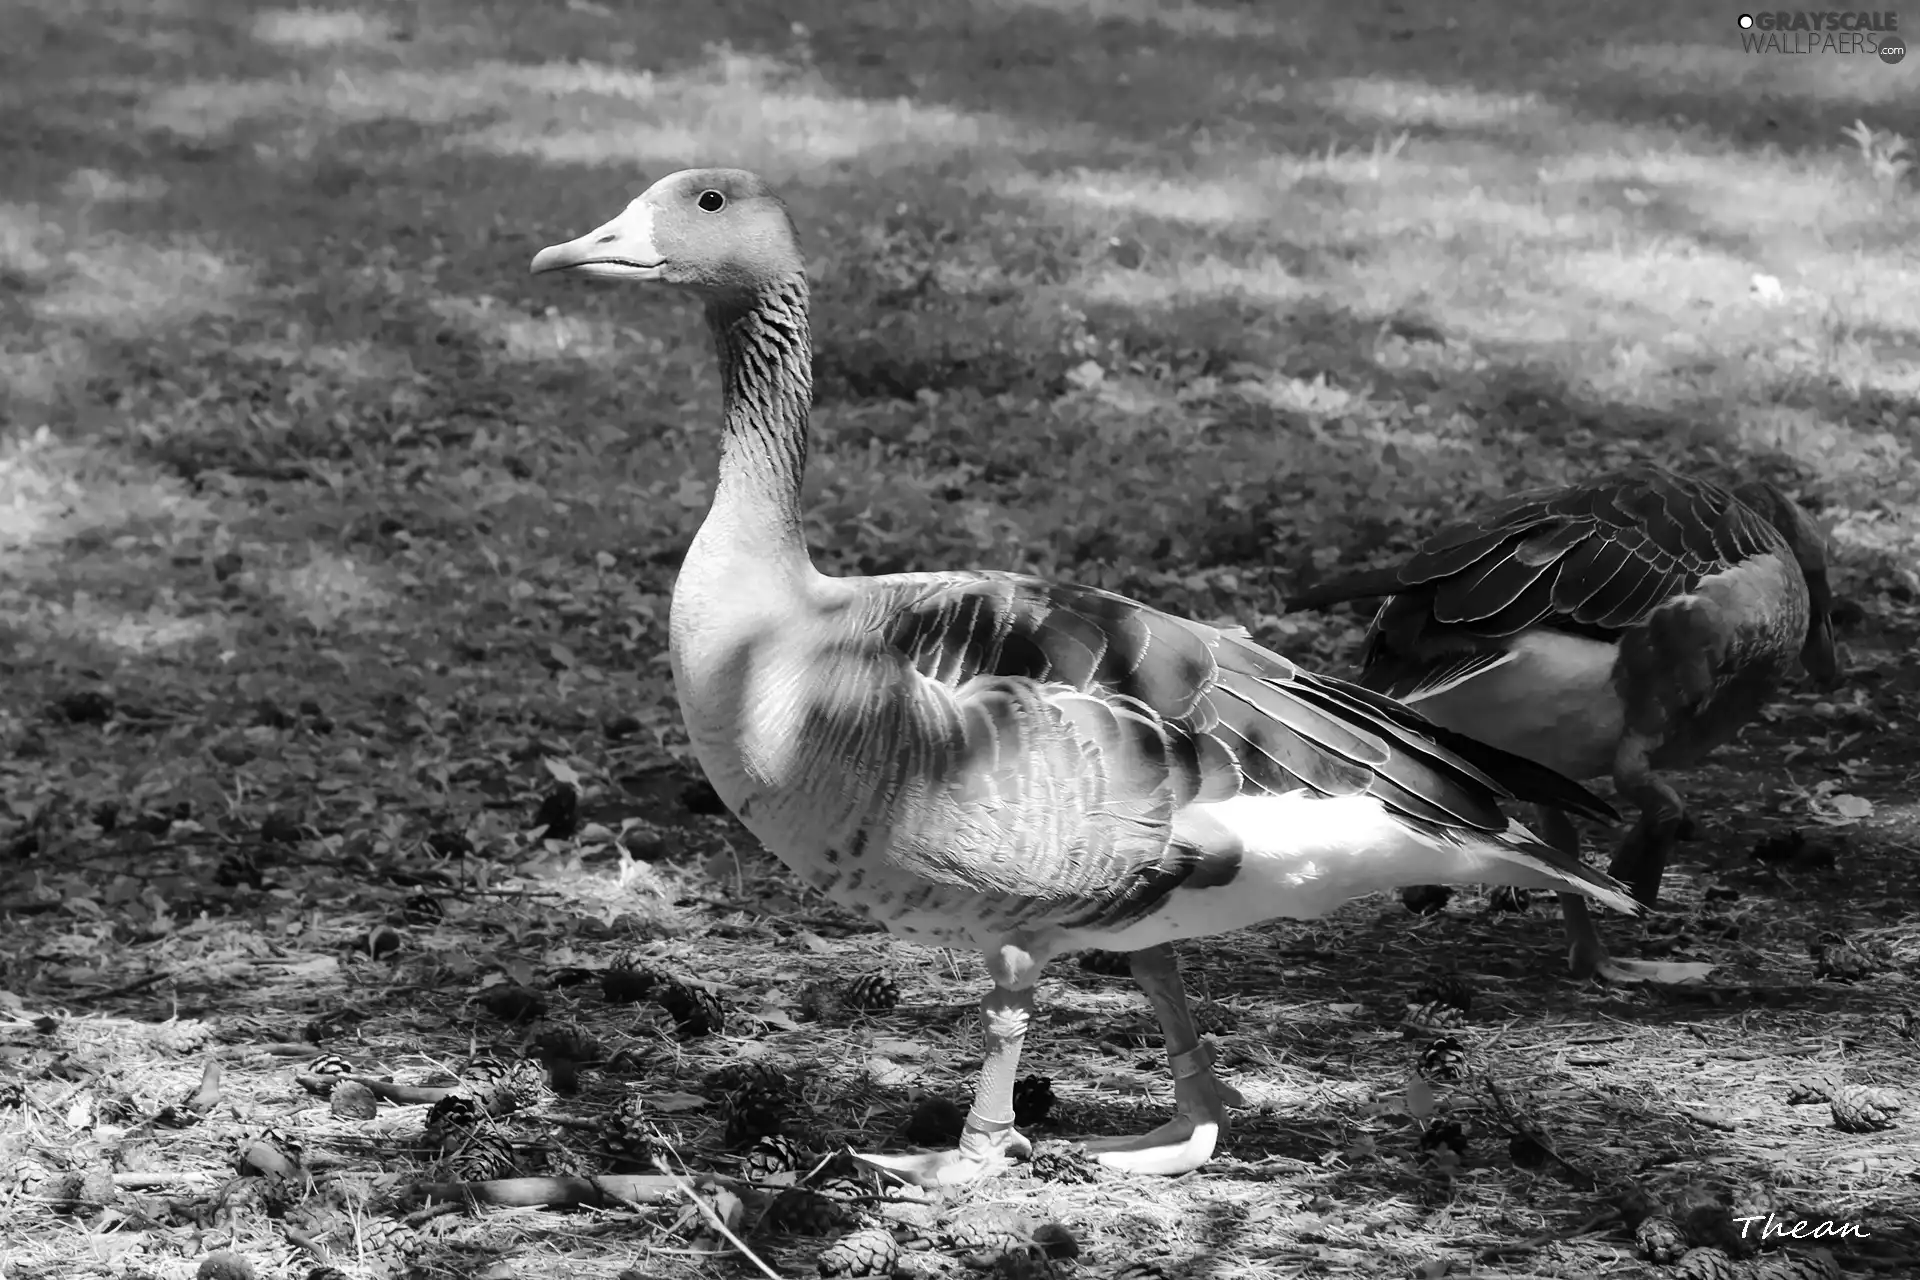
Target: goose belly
[[848, 857], [1555, 703], [836, 845]]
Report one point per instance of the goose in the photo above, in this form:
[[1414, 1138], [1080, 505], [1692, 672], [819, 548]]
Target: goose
[[1013, 765], [1622, 626]]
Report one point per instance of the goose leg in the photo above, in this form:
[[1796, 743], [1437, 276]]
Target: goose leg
[[988, 1140], [1587, 956], [1642, 856], [1200, 1098]]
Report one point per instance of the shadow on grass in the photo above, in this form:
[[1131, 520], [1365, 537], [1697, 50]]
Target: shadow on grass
[[279, 256], [272, 265]]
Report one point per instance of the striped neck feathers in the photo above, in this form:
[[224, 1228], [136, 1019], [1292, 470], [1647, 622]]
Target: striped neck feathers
[[766, 372]]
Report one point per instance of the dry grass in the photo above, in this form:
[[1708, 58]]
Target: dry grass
[[358, 525]]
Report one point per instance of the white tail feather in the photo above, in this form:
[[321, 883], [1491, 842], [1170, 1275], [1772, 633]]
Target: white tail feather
[[1303, 855]]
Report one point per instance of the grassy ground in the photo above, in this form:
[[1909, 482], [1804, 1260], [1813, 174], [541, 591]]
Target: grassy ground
[[329, 540]]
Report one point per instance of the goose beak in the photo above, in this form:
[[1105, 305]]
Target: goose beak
[[622, 249], [1821, 655]]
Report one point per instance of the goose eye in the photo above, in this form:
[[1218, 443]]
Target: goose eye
[[712, 201]]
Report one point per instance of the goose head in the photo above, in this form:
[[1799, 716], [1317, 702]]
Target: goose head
[[1809, 547], [721, 233]]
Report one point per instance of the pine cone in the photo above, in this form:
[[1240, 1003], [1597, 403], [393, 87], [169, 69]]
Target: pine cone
[[1211, 1018], [918, 1265], [1435, 1017], [1705, 1216], [1755, 1200], [422, 909], [1633, 1204], [1527, 1151], [389, 1240], [280, 1192], [1109, 964], [772, 1156], [934, 1121], [568, 1040], [319, 1222], [239, 867], [1509, 899], [1443, 1136], [631, 1133], [450, 1120], [631, 980], [1023, 1264], [326, 1273], [482, 1075], [867, 1252], [525, 1087], [1426, 899], [238, 1198], [329, 1064], [1842, 959], [351, 1100], [1863, 1109], [1660, 1239], [822, 1002], [1443, 1059], [1706, 1264], [1032, 1101], [873, 992], [760, 1076], [802, 1211], [1066, 1162], [1449, 990], [1803, 1093], [1817, 1264], [695, 1011], [559, 812], [510, 1002], [24, 1175], [751, 1117], [983, 1235], [485, 1157], [565, 1162]]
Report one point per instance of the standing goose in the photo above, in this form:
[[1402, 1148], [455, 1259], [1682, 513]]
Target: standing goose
[[1622, 626], [1014, 765]]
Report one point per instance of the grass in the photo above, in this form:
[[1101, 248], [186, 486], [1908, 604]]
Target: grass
[[358, 527]]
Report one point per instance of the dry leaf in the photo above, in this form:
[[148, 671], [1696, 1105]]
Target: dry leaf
[[1852, 806], [672, 1103]]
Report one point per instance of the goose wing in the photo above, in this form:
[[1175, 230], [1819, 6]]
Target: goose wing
[[1063, 744]]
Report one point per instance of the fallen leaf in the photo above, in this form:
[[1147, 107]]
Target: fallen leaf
[[1852, 806], [1419, 1098], [673, 1103]]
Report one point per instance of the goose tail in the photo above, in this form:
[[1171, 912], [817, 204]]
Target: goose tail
[[1521, 859]]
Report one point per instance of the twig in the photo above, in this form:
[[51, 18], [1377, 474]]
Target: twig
[[706, 1210], [1531, 1243], [148, 1178], [126, 988]]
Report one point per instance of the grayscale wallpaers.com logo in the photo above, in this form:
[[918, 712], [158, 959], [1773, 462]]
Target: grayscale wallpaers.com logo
[[1824, 31]]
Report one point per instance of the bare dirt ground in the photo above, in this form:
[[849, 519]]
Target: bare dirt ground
[[332, 547]]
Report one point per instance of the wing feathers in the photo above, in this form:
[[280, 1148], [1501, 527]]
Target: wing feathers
[[1595, 559], [1086, 729]]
